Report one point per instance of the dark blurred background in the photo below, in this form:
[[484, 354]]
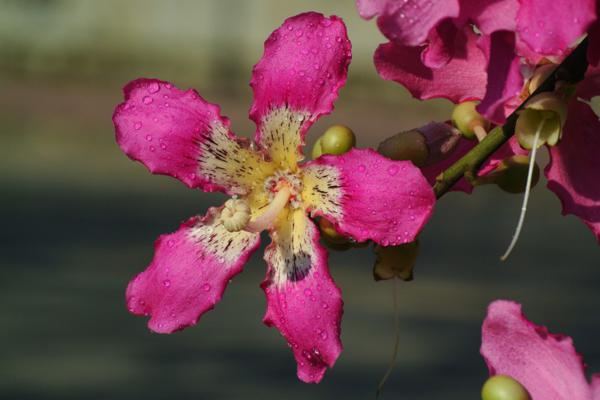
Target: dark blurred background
[[79, 220]]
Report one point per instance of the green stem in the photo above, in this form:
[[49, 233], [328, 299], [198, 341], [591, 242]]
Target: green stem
[[571, 70]]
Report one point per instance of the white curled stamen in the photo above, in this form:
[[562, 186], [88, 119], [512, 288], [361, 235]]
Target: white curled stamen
[[235, 215], [268, 217]]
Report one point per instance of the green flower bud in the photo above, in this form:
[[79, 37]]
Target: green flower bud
[[466, 118], [395, 261], [502, 387], [337, 139], [317, 151], [423, 146], [329, 233], [545, 112], [511, 174]]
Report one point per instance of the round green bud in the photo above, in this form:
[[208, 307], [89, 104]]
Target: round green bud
[[395, 261], [465, 118], [330, 234], [409, 145], [502, 387], [337, 139], [317, 151], [511, 174]]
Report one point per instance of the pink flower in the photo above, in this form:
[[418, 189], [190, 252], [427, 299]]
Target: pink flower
[[366, 196], [574, 163], [434, 52], [545, 363]]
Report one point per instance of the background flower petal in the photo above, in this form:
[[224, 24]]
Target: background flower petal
[[189, 272], [546, 364], [178, 133], [303, 302], [550, 27], [596, 387], [462, 78], [409, 22], [368, 196], [305, 63], [489, 15], [574, 163], [504, 77]]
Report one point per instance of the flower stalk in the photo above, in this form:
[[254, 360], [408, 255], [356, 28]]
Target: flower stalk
[[572, 70]]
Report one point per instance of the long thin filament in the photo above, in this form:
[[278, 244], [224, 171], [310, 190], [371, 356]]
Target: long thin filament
[[396, 338], [517, 233]]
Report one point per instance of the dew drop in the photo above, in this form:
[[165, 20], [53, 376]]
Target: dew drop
[[307, 292], [362, 168], [147, 100], [163, 146], [167, 283], [154, 87], [152, 148], [137, 126], [206, 287], [393, 170], [324, 335], [149, 138], [170, 243], [324, 306]]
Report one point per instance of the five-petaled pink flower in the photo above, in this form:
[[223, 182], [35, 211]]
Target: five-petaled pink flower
[[365, 195], [545, 363]]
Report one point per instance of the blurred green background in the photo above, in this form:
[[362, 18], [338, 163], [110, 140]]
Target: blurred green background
[[79, 220]]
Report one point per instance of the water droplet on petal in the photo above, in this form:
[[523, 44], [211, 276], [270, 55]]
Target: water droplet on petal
[[137, 126], [393, 170], [154, 87], [167, 283], [147, 100], [206, 287], [307, 292], [149, 138], [152, 148], [170, 243], [362, 168]]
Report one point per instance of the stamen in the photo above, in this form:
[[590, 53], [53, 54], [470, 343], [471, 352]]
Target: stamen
[[268, 217], [527, 190], [235, 215]]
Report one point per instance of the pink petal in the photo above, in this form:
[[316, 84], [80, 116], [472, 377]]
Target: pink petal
[[189, 272], [368, 196], [370, 8], [596, 387], [304, 65], [593, 54], [574, 163], [546, 364], [505, 80], [462, 78], [178, 133], [490, 15], [442, 45], [303, 302], [408, 22], [550, 27], [432, 171]]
